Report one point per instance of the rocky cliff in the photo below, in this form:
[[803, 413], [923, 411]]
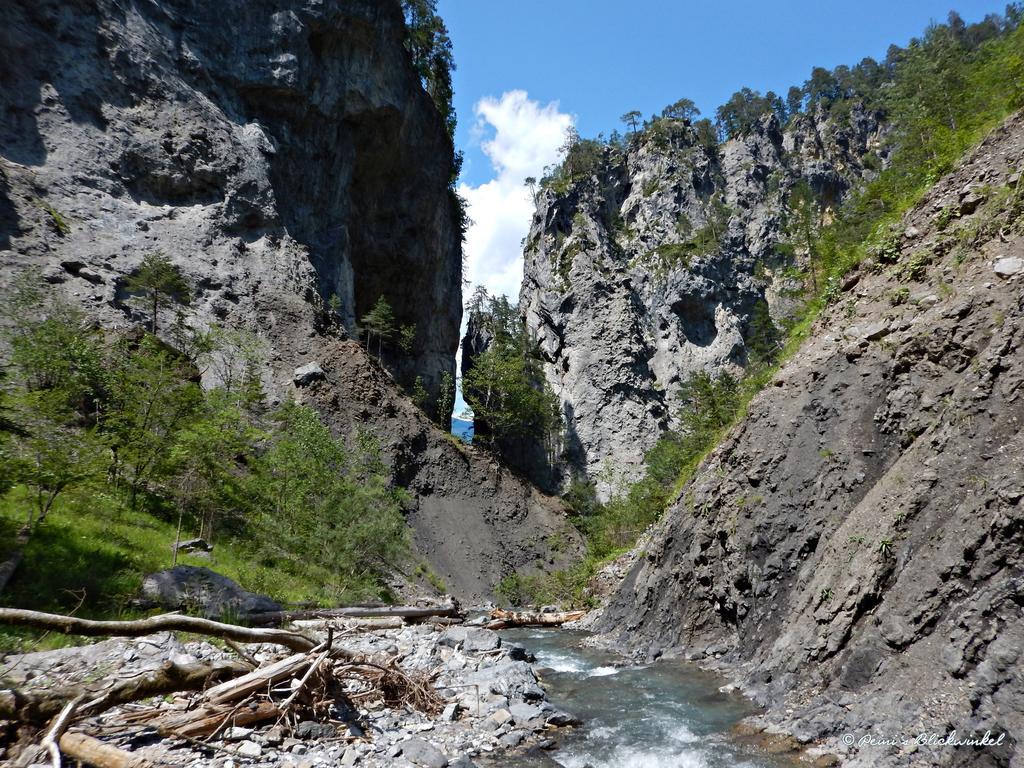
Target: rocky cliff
[[655, 265], [281, 154], [851, 553]]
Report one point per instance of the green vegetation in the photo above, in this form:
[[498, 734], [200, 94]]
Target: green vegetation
[[709, 406], [427, 40], [506, 387], [109, 448], [58, 220], [159, 281], [379, 322]]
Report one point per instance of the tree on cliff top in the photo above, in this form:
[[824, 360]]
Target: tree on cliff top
[[428, 42]]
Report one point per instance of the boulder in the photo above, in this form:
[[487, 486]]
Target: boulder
[[200, 590], [1008, 266], [194, 545], [307, 374], [472, 639], [420, 752]]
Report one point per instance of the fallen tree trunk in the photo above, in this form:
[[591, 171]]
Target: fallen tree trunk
[[505, 619], [71, 625], [39, 706], [92, 751], [206, 720], [259, 679], [355, 625], [276, 618]]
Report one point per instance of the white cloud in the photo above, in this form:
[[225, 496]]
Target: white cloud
[[519, 137]]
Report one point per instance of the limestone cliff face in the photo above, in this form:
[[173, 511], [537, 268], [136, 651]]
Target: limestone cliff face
[[624, 312], [851, 553], [280, 153]]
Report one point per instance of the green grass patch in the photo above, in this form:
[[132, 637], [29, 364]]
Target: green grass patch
[[92, 551]]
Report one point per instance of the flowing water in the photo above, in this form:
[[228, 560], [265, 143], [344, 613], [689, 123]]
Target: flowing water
[[663, 715]]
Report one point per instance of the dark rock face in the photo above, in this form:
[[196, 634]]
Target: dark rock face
[[623, 315], [474, 520], [280, 153], [851, 553]]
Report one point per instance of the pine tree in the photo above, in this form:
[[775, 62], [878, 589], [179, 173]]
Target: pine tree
[[159, 280], [630, 119], [379, 322]]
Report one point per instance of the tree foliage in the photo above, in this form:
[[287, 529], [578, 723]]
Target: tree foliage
[[430, 46], [160, 281], [124, 417], [683, 109], [505, 386], [379, 323]]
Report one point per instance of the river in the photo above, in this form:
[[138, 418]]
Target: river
[[663, 715]]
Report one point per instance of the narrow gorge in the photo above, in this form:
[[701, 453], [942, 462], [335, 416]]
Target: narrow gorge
[[737, 477]]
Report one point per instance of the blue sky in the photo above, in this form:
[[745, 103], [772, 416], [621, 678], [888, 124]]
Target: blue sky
[[527, 69]]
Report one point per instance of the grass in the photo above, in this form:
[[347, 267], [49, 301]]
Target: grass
[[92, 552]]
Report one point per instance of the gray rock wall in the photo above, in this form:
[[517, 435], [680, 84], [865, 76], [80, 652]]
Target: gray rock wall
[[279, 153], [621, 319], [851, 553]]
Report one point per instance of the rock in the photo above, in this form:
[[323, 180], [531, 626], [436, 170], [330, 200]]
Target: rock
[[249, 749], [1008, 266], [351, 756], [423, 753], [471, 639], [512, 679], [836, 586], [450, 713], [876, 330], [623, 315], [519, 653], [462, 761], [91, 276], [970, 202], [306, 374], [501, 717], [512, 739], [526, 714], [194, 545], [560, 719], [201, 590], [311, 730]]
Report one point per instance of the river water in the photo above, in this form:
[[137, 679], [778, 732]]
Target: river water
[[662, 715]]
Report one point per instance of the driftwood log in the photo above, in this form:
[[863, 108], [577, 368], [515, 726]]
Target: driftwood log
[[71, 625], [38, 706], [92, 751], [207, 720], [504, 619], [259, 679], [277, 618]]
